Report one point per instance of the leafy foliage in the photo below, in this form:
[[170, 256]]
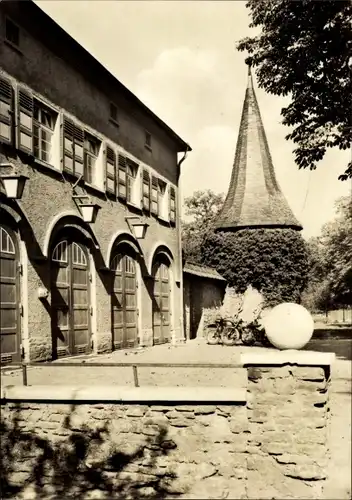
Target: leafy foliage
[[330, 277], [202, 209], [304, 50], [274, 261]]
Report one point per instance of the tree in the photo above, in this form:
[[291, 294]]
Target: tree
[[337, 240], [330, 258], [202, 209], [304, 50], [274, 261], [317, 294]]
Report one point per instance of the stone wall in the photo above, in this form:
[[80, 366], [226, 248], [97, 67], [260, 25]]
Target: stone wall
[[127, 451], [156, 442], [288, 420]]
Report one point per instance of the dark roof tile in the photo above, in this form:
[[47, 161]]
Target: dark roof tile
[[254, 198], [202, 271]]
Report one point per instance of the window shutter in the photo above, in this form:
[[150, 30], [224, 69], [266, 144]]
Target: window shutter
[[25, 121], [122, 177], [110, 170], [67, 145], [73, 137], [68, 149], [78, 139], [6, 112], [154, 196], [141, 185], [146, 190], [172, 205]]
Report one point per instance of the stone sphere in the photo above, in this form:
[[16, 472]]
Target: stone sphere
[[288, 326]]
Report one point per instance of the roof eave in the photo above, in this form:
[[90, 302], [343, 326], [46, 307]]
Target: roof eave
[[235, 227], [205, 276], [181, 145]]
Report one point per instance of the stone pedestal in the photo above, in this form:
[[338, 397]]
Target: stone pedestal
[[288, 415]]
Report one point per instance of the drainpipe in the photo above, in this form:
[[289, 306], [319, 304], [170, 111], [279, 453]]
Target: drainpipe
[[182, 331]]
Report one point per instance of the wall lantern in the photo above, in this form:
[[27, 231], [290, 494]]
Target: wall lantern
[[13, 183], [89, 211], [138, 228]]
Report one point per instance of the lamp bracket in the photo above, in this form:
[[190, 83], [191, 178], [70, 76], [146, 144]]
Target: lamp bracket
[[77, 182], [80, 196]]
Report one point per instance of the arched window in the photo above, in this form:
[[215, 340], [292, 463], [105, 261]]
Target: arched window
[[6, 243], [79, 255], [130, 267], [60, 252], [116, 263]]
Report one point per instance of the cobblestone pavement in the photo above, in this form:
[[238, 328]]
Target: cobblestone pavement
[[339, 483]]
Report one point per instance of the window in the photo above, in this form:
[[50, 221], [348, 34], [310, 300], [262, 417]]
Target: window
[[60, 252], [148, 140], [146, 190], [43, 129], [12, 33], [91, 151], [6, 242], [127, 174], [73, 138], [132, 169], [78, 256], [172, 205], [110, 170], [154, 206], [113, 112], [25, 121], [162, 200], [6, 111]]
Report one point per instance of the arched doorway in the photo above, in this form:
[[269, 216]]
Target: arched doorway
[[161, 300], [10, 331], [70, 298], [124, 308]]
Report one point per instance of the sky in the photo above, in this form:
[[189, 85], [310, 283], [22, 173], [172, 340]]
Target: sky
[[180, 59]]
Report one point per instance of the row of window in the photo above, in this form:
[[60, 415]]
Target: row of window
[[12, 36], [81, 153]]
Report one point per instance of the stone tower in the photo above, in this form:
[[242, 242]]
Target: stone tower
[[254, 198]]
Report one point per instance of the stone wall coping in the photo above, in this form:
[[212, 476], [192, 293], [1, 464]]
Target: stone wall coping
[[145, 395], [289, 356]]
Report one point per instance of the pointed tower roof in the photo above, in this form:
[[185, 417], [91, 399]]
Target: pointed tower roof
[[254, 198]]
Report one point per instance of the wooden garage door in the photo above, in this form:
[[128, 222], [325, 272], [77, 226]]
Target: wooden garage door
[[70, 299], [124, 302], [10, 339], [161, 303]]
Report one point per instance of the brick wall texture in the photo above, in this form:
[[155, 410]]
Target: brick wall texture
[[273, 447]]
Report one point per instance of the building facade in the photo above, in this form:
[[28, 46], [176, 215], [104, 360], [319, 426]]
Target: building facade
[[85, 144]]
